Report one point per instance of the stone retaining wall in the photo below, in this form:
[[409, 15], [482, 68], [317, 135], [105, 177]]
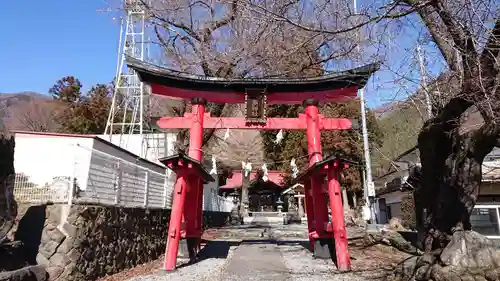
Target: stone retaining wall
[[94, 241]]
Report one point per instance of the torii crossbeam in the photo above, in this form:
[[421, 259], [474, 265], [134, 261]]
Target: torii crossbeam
[[299, 123], [186, 217]]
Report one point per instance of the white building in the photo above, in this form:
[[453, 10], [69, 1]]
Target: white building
[[154, 146], [61, 168]]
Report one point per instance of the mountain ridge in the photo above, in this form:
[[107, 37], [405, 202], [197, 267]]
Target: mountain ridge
[[18, 110]]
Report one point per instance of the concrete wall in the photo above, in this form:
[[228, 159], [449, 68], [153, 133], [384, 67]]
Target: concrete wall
[[87, 242]]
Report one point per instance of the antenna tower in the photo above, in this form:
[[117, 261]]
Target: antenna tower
[[129, 113]]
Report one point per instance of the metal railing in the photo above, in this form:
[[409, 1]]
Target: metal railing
[[27, 191]]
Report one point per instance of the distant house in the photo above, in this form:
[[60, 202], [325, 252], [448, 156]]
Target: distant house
[[393, 187]]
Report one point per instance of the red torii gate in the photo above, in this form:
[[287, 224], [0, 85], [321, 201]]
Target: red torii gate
[[186, 216]]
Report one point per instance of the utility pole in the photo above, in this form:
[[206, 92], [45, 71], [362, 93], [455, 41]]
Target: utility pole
[[424, 81], [369, 188]]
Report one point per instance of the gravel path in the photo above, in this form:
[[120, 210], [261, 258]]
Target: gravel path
[[208, 268], [303, 267], [273, 253], [256, 262]]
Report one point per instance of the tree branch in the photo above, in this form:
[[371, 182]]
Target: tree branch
[[460, 35], [207, 32], [440, 36], [203, 37], [183, 27], [452, 111], [485, 139], [489, 57], [283, 18]]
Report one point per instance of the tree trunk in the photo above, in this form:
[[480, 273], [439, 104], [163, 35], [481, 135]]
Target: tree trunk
[[446, 190], [448, 184]]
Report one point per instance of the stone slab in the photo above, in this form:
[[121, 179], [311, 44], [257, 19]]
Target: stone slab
[[29, 273]]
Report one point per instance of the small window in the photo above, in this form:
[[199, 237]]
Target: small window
[[485, 221]]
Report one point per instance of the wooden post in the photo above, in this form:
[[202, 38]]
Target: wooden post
[[339, 230], [184, 212], [174, 228], [244, 194], [193, 208], [319, 206]]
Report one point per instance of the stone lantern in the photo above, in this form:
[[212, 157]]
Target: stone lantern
[[291, 201], [280, 205], [235, 195], [235, 214]]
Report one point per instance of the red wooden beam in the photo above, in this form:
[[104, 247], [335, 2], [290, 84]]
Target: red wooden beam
[[336, 95], [240, 123]]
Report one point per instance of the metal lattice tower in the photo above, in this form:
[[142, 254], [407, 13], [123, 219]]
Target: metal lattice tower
[[129, 113]]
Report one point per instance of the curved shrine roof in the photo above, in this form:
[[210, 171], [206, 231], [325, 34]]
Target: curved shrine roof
[[335, 86]]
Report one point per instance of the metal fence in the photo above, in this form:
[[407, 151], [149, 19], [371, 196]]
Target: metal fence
[[26, 191], [112, 180], [105, 179], [213, 202]]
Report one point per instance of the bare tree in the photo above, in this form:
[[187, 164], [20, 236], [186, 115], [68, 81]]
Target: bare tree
[[38, 115], [467, 35], [229, 39]]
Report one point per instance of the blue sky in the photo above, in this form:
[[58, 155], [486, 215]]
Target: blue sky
[[45, 40]]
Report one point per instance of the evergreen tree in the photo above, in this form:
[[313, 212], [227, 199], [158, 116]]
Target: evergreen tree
[[83, 114], [67, 89]]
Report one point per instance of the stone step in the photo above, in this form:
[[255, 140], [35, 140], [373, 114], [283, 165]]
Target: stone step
[[266, 214]]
